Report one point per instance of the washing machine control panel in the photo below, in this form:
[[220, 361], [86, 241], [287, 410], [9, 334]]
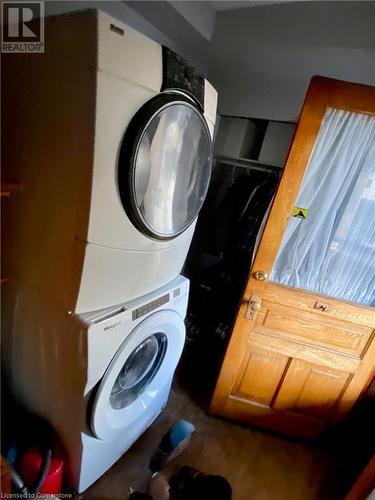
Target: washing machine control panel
[[151, 306]]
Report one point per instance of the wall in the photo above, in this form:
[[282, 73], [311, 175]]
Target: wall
[[262, 58], [233, 135], [276, 143], [201, 15], [193, 46]]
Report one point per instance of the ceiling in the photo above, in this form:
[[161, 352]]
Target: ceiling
[[239, 4]]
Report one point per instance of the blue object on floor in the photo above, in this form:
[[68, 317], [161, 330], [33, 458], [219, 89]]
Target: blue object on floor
[[178, 432], [172, 444]]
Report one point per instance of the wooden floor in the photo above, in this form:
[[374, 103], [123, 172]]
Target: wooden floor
[[258, 465]]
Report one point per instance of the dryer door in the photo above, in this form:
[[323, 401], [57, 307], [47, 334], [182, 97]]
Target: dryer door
[[165, 165], [138, 374]]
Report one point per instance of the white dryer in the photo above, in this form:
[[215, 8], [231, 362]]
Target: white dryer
[[111, 138], [101, 378]]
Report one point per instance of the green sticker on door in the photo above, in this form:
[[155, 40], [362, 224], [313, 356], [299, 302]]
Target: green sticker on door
[[300, 213]]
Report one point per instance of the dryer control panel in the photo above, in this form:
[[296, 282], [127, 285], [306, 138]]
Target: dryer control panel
[[151, 306], [178, 74]]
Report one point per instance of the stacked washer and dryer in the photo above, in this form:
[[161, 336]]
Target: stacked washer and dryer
[[111, 139]]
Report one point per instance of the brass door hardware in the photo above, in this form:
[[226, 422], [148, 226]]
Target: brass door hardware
[[254, 306], [260, 276]]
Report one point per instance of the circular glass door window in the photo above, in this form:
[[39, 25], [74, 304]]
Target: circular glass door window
[[168, 165], [138, 370]]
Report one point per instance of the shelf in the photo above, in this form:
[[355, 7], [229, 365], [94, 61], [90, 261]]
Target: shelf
[[8, 188], [247, 163]]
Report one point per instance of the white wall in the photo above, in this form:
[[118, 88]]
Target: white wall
[[200, 15], [262, 58]]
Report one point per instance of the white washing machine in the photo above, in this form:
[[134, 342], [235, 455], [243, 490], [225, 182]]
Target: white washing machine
[[111, 139], [101, 378]]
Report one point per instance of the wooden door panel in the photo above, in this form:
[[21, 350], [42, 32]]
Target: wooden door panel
[[302, 360], [345, 311], [316, 329], [259, 375], [303, 351], [239, 408], [311, 389]]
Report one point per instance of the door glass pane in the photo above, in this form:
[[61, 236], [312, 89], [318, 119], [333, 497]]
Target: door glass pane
[[172, 169], [332, 251]]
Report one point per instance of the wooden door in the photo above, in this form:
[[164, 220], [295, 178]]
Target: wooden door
[[299, 359]]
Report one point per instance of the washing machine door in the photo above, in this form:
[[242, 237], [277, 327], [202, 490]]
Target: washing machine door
[[164, 165], [138, 374]]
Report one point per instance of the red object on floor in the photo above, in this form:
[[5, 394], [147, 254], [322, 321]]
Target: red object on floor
[[31, 464]]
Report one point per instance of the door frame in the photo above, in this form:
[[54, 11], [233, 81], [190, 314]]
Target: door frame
[[322, 93]]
